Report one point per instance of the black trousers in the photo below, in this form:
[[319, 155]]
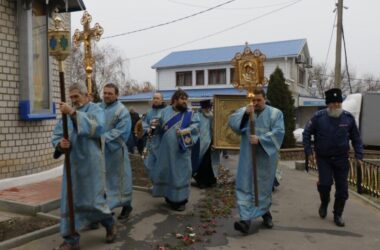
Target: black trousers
[[205, 175], [333, 169]]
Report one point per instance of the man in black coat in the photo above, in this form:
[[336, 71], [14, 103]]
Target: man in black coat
[[332, 128]]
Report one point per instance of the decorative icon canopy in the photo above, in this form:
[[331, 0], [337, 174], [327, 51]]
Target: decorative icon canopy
[[59, 40], [249, 70]]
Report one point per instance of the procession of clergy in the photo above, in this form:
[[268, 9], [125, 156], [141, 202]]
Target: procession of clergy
[[178, 149]]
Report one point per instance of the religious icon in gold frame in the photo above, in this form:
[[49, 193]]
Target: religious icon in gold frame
[[224, 106]]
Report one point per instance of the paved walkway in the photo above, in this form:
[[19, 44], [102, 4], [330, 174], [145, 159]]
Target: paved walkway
[[34, 194], [297, 224]]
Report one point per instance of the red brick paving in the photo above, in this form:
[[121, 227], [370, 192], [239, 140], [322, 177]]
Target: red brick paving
[[35, 193]]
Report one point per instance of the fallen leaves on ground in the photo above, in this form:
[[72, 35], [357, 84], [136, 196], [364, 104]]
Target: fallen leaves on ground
[[218, 203]]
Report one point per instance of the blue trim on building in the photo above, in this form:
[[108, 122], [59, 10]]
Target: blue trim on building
[[278, 49], [311, 101], [314, 103], [193, 94], [25, 112], [312, 97]]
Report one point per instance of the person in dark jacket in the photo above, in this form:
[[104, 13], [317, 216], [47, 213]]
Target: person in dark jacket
[[332, 129], [132, 140]]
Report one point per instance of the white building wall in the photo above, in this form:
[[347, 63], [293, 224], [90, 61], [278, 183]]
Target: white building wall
[[140, 107], [166, 78], [25, 146]]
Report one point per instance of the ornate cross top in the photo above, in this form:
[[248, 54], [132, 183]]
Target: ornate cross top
[[86, 36], [249, 69]]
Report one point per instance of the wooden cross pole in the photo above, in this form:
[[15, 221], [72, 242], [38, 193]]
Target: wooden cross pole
[[86, 37], [249, 74]]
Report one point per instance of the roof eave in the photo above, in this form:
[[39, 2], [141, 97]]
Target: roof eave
[[213, 63], [72, 5]]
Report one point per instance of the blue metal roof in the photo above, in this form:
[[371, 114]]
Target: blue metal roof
[[193, 94], [290, 48]]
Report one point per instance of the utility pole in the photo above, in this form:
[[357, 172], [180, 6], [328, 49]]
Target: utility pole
[[338, 51]]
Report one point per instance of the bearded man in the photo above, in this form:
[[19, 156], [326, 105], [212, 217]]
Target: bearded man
[[153, 140], [178, 129], [332, 129]]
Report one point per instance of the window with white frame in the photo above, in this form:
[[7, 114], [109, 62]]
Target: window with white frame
[[216, 76], [232, 75], [184, 78], [200, 77], [301, 76]]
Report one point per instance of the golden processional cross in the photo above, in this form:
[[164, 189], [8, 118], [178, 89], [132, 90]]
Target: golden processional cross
[[86, 36], [249, 74]]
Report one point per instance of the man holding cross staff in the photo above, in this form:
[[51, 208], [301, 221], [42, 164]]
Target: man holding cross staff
[[262, 130], [78, 136], [86, 125]]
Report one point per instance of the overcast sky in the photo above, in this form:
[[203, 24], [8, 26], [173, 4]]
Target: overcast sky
[[310, 19]]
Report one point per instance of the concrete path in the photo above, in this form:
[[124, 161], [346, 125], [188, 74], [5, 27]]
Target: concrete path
[[297, 224], [35, 193]]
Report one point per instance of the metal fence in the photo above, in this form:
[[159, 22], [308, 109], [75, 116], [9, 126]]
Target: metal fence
[[365, 176]]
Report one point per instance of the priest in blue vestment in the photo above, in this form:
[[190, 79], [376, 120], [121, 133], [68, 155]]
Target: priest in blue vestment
[[269, 134], [178, 128], [86, 125], [153, 139], [118, 167]]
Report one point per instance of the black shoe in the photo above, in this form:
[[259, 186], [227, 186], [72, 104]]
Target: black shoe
[[199, 185], [67, 246], [324, 194], [125, 212], [322, 210], [242, 226], [111, 234], [338, 211], [167, 201], [276, 183], [267, 220], [178, 208], [338, 221]]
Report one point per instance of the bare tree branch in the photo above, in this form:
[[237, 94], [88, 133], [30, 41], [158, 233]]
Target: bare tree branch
[[110, 66]]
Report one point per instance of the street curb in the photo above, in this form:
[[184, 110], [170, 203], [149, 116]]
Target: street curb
[[50, 205], [23, 239], [16, 207], [21, 208], [365, 199], [48, 216], [143, 189]]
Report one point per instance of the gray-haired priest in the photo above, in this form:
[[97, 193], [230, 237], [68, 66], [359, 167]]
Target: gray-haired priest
[[86, 125]]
